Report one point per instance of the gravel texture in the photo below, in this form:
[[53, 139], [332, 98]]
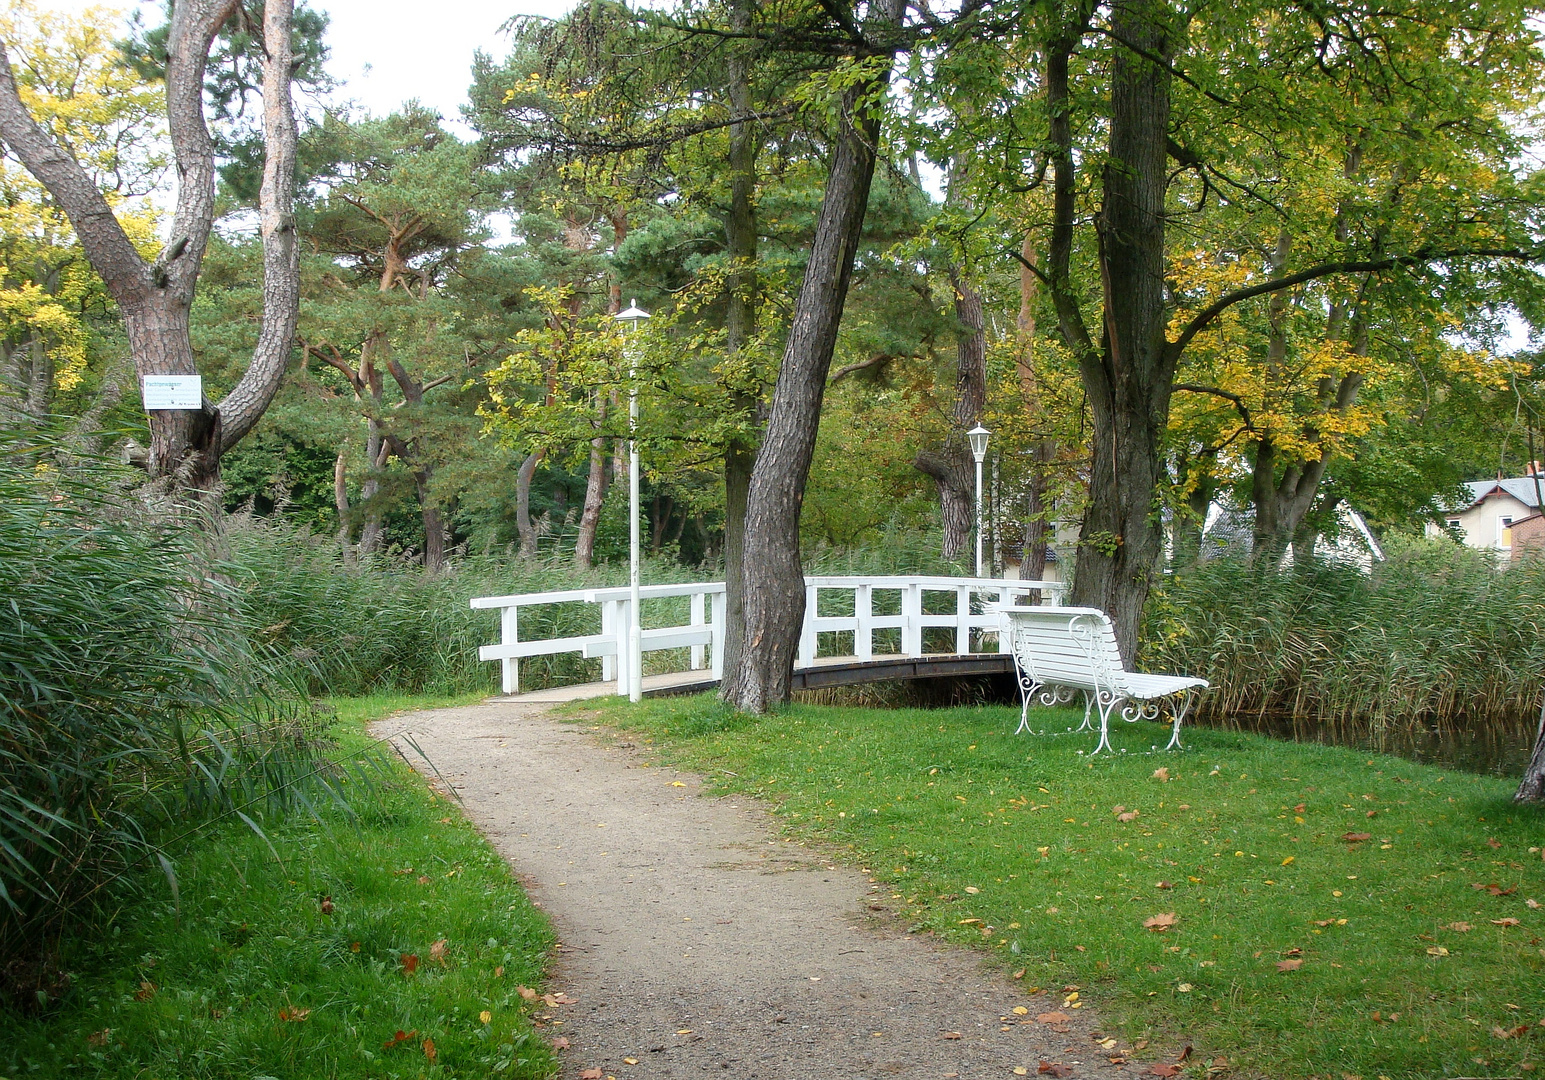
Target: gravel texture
[[696, 942]]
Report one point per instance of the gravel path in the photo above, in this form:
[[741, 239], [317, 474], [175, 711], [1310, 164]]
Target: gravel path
[[696, 942]]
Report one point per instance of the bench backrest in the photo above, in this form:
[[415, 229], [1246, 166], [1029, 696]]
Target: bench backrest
[[1066, 646]]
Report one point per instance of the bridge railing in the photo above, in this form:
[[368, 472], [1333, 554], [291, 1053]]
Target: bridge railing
[[703, 634]]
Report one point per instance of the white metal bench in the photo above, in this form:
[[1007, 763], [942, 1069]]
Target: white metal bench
[[1060, 650]]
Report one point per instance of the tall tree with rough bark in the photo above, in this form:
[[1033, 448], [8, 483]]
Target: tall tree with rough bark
[[772, 576], [154, 295], [1151, 120]]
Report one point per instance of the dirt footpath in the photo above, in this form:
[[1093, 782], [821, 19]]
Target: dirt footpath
[[697, 943]]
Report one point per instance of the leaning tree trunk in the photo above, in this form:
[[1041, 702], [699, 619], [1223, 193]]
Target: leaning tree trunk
[[1129, 380], [773, 576], [155, 297]]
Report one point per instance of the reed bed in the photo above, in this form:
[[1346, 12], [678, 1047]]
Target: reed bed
[[383, 625], [134, 703], [1437, 639]]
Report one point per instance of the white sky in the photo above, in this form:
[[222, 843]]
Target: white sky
[[387, 51]]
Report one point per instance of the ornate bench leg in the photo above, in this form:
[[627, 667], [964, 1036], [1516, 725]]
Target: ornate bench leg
[[1180, 714], [1027, 690], [1106, 702], [1088, 704]]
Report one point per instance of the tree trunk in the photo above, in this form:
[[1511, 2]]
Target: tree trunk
[[952, 467], [953, 473], [1033, 553], [184, 443], [523, 524], [739, 325], [773, 576], [434, 524], [371, 531], [155, 298], [1130, 378], [738, 466], [1532, 787], [595, 495], [341, 504], [1186, 541]]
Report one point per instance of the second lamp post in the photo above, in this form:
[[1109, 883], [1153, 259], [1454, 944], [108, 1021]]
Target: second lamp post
[[635, 667], [977, 437]]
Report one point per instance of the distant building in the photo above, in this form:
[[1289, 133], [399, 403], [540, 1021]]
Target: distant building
[[1495, 508], [1528, 537], [1229, 532]]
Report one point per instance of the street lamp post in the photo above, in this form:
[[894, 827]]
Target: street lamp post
[[977, 437], [630, 319]]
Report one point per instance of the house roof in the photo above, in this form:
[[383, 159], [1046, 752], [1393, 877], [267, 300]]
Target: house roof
[[1521, 488]]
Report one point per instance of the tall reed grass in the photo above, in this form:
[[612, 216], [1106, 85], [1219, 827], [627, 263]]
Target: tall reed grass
[[383, 624], [1437, 638], [133, 701]]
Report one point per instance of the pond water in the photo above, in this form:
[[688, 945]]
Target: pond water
[[1496, 751], [1491, 751]]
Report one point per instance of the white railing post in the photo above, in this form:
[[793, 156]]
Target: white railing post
[[624, 654], [962, 619], [720, 614], [807, 632], [863, 622], [608, 629], [697, 620], [912, 620], [1005, 598], [509, 634]]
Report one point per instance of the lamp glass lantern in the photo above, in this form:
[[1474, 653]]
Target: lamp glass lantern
[[977, 437], [631, 318]]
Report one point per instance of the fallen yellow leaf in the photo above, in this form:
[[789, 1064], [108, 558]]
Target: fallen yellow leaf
[[486, 1017]]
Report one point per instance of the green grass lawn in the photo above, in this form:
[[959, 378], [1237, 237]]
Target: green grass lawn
[[251, 974], [1295, 950]]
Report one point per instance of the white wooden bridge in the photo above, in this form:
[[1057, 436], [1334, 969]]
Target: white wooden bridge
[[882, 628]]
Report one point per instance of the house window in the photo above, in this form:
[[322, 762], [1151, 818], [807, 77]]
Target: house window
[[1453, 523], [1506, 527]]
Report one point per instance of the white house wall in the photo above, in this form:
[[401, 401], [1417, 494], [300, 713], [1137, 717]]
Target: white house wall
[[1482, 523]]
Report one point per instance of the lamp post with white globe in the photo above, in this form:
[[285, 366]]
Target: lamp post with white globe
[[631, 318], [977, 437]]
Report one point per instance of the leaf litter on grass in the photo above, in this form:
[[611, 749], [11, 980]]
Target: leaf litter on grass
[[1249, 838]]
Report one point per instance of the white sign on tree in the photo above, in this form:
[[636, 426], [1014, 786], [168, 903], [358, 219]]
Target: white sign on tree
[[173, 392]]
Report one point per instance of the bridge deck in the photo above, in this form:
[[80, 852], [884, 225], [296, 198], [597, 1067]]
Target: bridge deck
[[827, 671]]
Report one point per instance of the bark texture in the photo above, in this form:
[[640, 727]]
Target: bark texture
[[1037, 535], [155, 297], [1532, 787], [595, 495], [773, 576], [741, 241], [1130, 376]]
